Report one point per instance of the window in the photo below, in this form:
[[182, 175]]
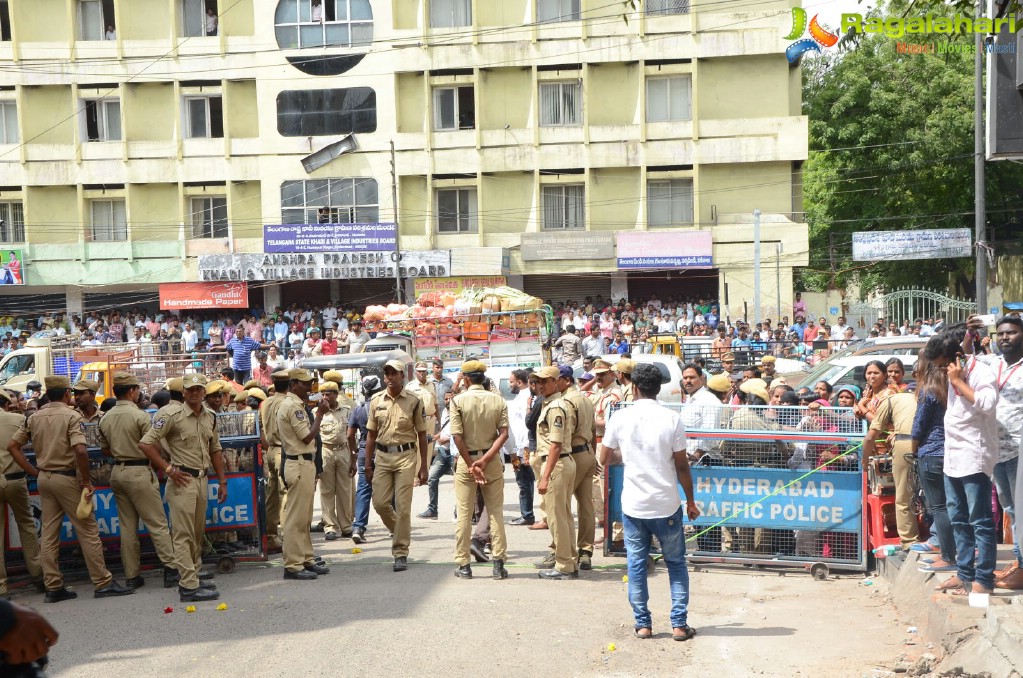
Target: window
[[5, 21], [450, 13], [563, 207], [8, 122], [12, 222], [347, 201], [561, 103], [454, 108], [669, 203], [456, 210], [205, 117], [102, 120], [323, 23], [669, 98], [96, 20], [109, 222], [199, 18], [319, 112], [209, 217], [557, 10], [667, 6]]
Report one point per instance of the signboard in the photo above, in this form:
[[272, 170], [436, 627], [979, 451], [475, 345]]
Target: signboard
[[650, 249], [179, 296], [908, 245], [457, 284], [10, 267], [323, 266], [554, 246], [330, 237]]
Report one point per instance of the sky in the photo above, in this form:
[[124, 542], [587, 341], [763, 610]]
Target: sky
[[831, 11]]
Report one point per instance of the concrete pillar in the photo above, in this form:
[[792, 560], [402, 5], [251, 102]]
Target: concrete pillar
[[272, 296], [74, 300], [619, 287], [335, 290]]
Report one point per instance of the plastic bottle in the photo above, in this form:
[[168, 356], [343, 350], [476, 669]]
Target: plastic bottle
[[885, 551]]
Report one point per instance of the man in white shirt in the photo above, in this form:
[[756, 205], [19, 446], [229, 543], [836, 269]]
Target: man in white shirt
[[701, 411], [189, 337], [519, 438], [281, 332], [329, 315], [593, 345], [838, 330], [649, 440]]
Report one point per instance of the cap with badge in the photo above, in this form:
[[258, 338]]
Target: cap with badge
[[421, 366], [298, 374], [719, 383], [470, 366], [395, 365], [768, 360], [191, 380], [216, 386], [728, 358], [601, 366], [125, 379], [86, 385], [625, 366], [56, 381], [329, 386], [549, 372]]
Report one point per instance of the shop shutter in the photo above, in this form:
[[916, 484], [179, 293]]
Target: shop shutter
[[560, 288]]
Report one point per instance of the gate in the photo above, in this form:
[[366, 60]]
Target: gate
[[908, 304]]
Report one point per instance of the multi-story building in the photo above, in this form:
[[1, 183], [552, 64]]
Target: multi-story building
[[524, 138]]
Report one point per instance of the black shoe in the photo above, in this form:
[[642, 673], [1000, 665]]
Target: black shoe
[[171, 577], [556, 575], [197, 595], [585, 560], [499, 571], [346, 534], [301, 575], [360, 536], [60, 595], [319, 561], [523, 521], [432, 515], [546, 563], [477, 552], [316, 568], [400, 564], [330, 536], [112, 589], [135, 582], [464, 572], [205, 576], [318, 527], [39, 584]]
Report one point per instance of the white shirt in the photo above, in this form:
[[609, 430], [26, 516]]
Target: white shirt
[[648, 434], [971, 431], [191, 338], [329, 317], [702, 411], [517, 431], [342, 324], [1009, 411], [594, 346]]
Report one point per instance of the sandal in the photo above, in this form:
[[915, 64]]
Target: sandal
[[643, 632], [951, 585], [682, 633]]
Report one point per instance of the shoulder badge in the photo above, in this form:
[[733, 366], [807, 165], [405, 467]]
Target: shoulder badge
[[559, 422], [299, 414], [82, 425], [159, 424]]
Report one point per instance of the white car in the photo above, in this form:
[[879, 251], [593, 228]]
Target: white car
[[669, 366]]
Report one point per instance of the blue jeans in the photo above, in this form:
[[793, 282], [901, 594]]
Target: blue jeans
[[525, 478], [1005, 483], [932, 481], [443, 464], [363, 497], [969, 508], [669, 532]]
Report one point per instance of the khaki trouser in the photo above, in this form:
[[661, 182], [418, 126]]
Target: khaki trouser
[[393, 476], [137, 494], [585, 468], [300, 476], [14, 494], [188, 526], [559, 517], [337, 490], [59, 496], [537, 466], [493, 499], [275, 494], [905, 520]]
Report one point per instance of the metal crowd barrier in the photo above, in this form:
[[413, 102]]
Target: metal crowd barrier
[[778, 486]]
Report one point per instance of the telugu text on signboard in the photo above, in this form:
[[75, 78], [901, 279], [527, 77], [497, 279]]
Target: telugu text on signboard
[[679, 250], [456, 284], [942, 243], [323, 266], [286, 238], [568, 246]]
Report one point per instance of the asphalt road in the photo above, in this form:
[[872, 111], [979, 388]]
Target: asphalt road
[[363, 618]]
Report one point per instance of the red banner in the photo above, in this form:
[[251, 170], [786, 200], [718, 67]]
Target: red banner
[[183, 296]]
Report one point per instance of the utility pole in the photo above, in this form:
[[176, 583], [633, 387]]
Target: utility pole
[[777, 275], [979, 208], [397, 228], [756, 266]]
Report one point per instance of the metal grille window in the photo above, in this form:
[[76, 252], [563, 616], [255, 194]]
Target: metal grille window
[[561, 103], [12, 222], [667, 6], [205, 117], [564, 207], [209, 217], [450, 13], [109, 220], [345, 201], [557, 10], [8, 122], [102, 118], [457, 210], [669, 98], [321, 112], [323, 23], [454, 108], [669, 203]]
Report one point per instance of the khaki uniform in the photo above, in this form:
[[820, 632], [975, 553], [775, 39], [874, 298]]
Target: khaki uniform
[[477, 415], [300, 478], [428, 394], [192, 439], [337, 485], [398, 423], [54, 430], [275, 492], [605, 398], [583, 451], [555, 426], [895, 414], [135, 487], [14, 495]]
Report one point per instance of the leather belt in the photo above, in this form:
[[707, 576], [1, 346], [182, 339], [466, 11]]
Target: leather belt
[[70, 472], [15, 476], [132, 462], [473, 453], [577, 449], [394, 449], [194, 472], [306, 457], [903, 436]]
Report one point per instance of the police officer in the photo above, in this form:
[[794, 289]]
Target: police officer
[[371, 385], [479, 427], [298, 447], [190, 430], [215, 391], [581, 412], [337, 484], [58, 438], [427, 392], [85, 399], [556, 479], [14, 493], [135, 487], [275, 492], [624, 369], [395, 448], [606, 395]]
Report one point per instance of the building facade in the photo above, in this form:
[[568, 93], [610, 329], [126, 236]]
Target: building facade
[[523, 138]]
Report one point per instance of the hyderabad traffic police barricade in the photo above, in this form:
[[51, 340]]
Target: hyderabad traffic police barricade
[[776, 486], [235, 530]]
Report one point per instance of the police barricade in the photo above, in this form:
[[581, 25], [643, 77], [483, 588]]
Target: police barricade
[[235, 530], [779, 486]]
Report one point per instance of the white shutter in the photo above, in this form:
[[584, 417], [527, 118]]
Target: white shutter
[[561, 288]]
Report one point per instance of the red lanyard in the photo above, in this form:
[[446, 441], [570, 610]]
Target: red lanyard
[[1001, 384], [969, 368]]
